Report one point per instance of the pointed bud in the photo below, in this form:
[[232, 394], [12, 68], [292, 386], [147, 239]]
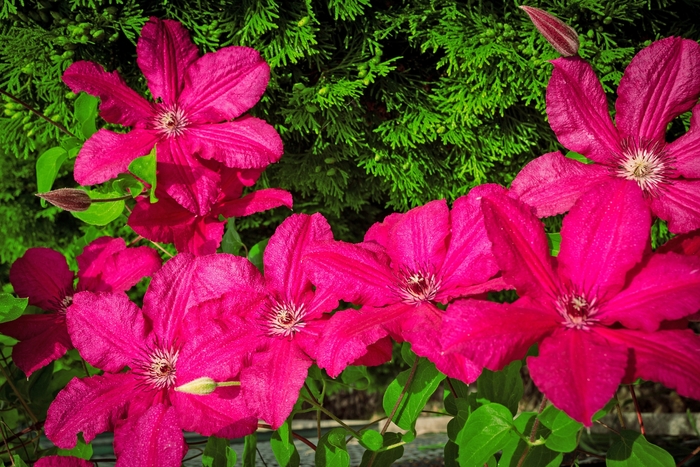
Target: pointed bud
[[559, 34], [200, 386], [70, 199]]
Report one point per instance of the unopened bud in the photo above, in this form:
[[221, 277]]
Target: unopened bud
[[559, 34], [70, 199]]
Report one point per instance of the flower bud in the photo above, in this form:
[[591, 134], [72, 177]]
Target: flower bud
[[70, 199], [559, 34], [200, 386]]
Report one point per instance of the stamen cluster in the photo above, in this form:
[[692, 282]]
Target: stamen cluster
[[577, 310], [646, 163], [171, 121], [284, 319], [419, 286], [159, 368]]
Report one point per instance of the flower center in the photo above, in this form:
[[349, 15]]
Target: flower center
[[284, 319], [65, 303], [158, 369], [577, 310], [646, 163], [171, 121], [418, 286]]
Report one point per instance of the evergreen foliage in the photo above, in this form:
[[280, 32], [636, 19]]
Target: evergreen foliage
[[382, 105]]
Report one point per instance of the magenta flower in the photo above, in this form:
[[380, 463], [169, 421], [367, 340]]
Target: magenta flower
[[660, 83], [195, 99], [162, 351], [166, 221], [62, 461], [42, 275], [406, 265], [598, 310]]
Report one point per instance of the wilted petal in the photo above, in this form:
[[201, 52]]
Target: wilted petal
[[154, 439], [42, 275], [43, 339], [520, 246], [107, 329], [552, 183], [605, 234], [107, 154], [667, 288], [222, 85], [659, 84], [492, 334], [257, 201], [62, 461], [119, 103], [685, 151], [164, 52], [89, 405], [578, 111], [679, 205], [245, 143]]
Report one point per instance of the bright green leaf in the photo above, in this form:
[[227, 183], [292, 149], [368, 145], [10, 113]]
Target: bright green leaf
[[331, 450], [231, 243], [633, 450], [47, 166], [250, 444], [86, 113], [605, 410], [126, 184], [356, 376], [218, 453], [18, 461], [255, 255], [407, 354], [578, 157], [565, 430], [82, 450], [484, 434], [504, 387], [145, 168], [425, 382], [372, 440], [537, 456], [11, 307], [282, 444], [554, 241], [387, 457], [71, 143], [101, 213]]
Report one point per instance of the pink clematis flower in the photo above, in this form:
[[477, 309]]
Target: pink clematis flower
[[42, 275], [163, 351], [196, 97], [166, 221], [406, 266], [660, 83], [62, 461], [598, 311]]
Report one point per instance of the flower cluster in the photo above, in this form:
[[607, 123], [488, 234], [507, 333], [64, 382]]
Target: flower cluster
[[219, 344]]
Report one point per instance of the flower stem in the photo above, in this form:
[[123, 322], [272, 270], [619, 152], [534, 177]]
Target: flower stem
[[228, 383], [639, 412], [689, 456], [332, 416], [109, 200], [296, 435], [37, 113], [533, 432], [21, 399]]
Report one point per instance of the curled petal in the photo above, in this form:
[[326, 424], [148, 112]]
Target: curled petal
[[158, 221], [42, 275], [257, 201]]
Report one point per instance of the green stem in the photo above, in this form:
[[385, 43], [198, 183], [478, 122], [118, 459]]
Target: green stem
[[109, 200], [533, 433], [21, 399], [228, 383], [37, 113], [332, 416]]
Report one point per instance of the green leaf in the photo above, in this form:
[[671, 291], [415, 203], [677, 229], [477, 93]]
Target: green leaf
[[565, 430], [537, 456], [387, 457], [372, 440], [71, 143], [461, 390], [255, 255], [11, 307], [451, 453], [126, 184], [47, 166], [331, 450], [356, 376], [82, 450], [554, 241], [484, 434], [425, 382], [218, 453], [578, 157], [605, 410], [250, 443], [504, 387], [18, 461], [101, 213], [86, 113], [282, 444], [633, 450], [407, 354], [144, 167], [231, 243]]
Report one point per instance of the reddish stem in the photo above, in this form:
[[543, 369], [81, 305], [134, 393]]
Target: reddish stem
[[639, 412]]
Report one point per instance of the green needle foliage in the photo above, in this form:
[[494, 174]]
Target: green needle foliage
[[382, 105]]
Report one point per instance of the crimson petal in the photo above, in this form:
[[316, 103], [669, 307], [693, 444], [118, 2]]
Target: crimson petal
[[42, 275]]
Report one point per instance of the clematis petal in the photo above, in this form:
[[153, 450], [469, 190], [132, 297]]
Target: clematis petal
[[578, 111], [222, 413], [222, 85], [354, 273], [62, 461], [257, 201], [107, 265], [686, 244], [234, 181], [380, 231], [491, 334], [43, 339], [666, 288], [520, 247], [107, 329], [659, 84], [469, 260], [107, 154], [42, 275], [284, 273], [159, 221], [579, 371], [201, 237], [679, 205], [89, 405], [685, 151], [272, 383], [153, 439], [605, 234], [552, 183], [669, 357], [377, 354], [119, 103], [164, 52], [245, 143]]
